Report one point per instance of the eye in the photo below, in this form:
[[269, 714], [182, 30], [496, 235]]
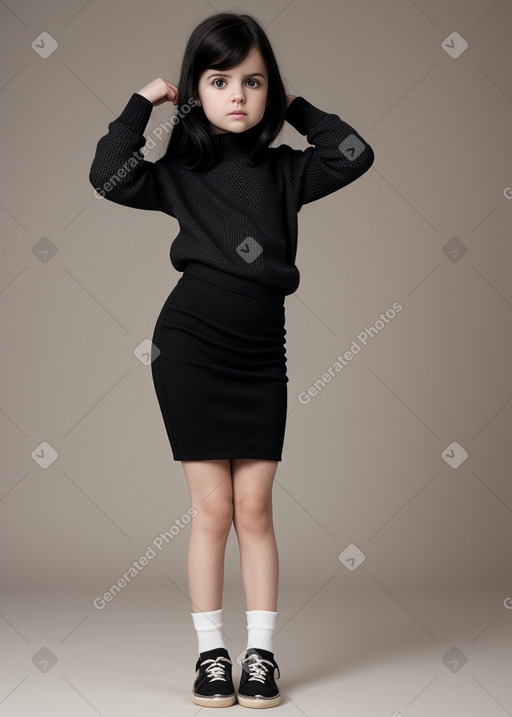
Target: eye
[[257, 83]]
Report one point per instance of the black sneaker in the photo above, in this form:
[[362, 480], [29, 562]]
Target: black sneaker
[[213, 686], [257, 684]]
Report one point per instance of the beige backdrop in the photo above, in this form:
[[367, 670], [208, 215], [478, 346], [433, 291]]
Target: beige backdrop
[[403, 458]]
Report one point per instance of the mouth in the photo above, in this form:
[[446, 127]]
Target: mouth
[[238, 113]]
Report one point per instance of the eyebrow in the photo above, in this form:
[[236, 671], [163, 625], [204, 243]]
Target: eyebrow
[[251, 74]]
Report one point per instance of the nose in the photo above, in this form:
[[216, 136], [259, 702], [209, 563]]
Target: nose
[[238, 95]]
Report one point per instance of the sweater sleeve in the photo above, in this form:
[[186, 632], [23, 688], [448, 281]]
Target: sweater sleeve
[[339, 156], [118, 171]]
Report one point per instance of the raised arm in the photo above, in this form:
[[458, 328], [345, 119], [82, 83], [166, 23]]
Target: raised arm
[[339, 155], [119, 172]]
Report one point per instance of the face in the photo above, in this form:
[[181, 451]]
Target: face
[[244, 88]]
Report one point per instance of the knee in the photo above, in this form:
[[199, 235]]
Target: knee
[[215, 516], [253, 514]]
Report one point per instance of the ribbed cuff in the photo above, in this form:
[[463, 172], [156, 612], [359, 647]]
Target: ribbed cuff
[[261, 618], [302, 115], [136, 114], [204, 621]]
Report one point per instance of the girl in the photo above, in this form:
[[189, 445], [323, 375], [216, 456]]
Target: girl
[[219, 358]]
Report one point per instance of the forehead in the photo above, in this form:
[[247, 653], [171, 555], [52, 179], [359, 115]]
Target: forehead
[[253, 63]]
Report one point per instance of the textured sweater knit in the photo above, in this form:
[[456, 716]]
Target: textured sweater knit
[[238, 217]]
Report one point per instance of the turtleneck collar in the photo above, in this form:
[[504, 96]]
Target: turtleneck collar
[[235, 145]]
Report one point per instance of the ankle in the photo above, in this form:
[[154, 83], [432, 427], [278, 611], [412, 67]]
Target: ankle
[[208, 626], [261, 626]]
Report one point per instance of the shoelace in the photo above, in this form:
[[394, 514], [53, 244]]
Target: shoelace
[[257, 670], [216, 671]]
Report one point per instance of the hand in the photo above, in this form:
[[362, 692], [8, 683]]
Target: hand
[[159, 91], [289, 100]]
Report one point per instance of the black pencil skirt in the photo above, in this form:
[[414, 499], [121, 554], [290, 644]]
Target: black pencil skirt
[[219, 370]]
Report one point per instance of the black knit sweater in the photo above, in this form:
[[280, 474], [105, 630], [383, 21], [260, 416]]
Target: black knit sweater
[[238, 217]]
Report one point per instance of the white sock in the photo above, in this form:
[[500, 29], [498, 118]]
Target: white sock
[[208, 628], [260, 626]]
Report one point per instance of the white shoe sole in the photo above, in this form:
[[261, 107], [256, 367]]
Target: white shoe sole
[[258, 702], [213, 701]]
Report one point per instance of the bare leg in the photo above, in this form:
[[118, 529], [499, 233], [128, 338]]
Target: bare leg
[[254, 526], [211, 494]]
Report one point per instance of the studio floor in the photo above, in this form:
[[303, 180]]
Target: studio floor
[[363, 653]]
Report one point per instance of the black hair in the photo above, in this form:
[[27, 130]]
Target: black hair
[[223, 41]]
